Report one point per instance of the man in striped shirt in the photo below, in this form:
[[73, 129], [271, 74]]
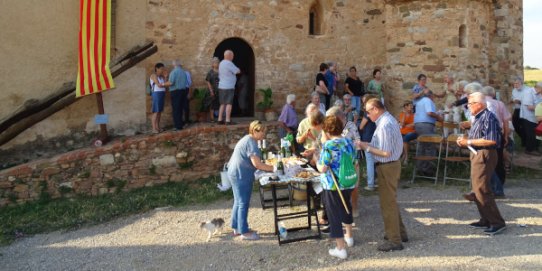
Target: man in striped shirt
[[484, 137], [386, 147]]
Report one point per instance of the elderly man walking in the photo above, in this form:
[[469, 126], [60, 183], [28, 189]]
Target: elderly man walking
[[484, 137], [226, 86], [386, 147]]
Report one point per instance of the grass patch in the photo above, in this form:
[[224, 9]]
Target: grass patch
[[46, 216]]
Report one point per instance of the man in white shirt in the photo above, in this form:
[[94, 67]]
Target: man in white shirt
[[227, 72]]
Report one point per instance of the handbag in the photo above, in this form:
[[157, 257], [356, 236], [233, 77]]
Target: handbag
[[538, 129], [225, 180]]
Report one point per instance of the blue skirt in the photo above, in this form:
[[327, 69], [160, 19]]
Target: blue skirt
[[158, 101]]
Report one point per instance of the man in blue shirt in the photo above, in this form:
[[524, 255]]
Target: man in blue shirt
[[424, 123], [178, 93], [484, 137]]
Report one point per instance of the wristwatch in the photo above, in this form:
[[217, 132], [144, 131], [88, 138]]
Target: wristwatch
[[469, 142]]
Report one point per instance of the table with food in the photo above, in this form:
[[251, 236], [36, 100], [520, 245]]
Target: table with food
[[292, 170]]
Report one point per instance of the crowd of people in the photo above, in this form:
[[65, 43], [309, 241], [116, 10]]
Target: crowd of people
[[222, 81], [357, 124]]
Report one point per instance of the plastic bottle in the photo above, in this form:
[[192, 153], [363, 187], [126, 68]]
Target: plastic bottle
[[283, 232]]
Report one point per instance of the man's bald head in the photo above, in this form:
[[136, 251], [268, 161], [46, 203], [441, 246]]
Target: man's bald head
[[228, 54]]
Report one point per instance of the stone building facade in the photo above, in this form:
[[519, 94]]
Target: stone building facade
[[279, 44]]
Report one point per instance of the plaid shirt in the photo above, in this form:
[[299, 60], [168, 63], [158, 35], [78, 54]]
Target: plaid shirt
[[486, 126]]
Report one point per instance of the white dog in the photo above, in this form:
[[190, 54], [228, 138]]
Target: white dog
[[212, 226]]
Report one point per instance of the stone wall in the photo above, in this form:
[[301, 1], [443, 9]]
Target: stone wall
[[125, 164], [404, 37], [39, 54]]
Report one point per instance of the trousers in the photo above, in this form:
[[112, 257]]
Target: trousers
[[482, 168], [388, 179]]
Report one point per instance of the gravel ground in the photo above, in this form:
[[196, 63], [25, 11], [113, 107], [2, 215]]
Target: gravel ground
[[170, 239]]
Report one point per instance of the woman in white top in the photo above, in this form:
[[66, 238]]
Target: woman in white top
[[158, 87]]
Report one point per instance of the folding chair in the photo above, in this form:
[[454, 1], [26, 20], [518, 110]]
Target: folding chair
[[424, 142], [446, 127], [455, 154]]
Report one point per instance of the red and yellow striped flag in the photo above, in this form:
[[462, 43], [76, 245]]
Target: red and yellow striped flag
[[94, 46]]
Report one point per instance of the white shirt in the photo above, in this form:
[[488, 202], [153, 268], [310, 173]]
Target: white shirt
[[516, 95], [387, 137], [226, 74], [527, 99]]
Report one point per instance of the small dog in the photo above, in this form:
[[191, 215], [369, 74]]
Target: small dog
[[212, 227]]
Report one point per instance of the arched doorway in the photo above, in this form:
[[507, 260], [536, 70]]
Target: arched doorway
[[244, 59]]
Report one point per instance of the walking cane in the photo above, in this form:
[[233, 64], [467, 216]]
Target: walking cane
[[340, 193]]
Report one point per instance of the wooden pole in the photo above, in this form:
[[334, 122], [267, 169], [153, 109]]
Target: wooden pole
[[103, 128], [340, 193]]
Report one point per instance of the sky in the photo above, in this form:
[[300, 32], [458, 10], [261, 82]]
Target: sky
[[532, 34]]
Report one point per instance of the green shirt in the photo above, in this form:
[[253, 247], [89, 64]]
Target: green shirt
[[375, 87]]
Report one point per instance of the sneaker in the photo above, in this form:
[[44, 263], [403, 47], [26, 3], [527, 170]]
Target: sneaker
[[250, 236], [495, 230], [369, 188], [341, 254], [478, 225], [389, 246], [349, 241]]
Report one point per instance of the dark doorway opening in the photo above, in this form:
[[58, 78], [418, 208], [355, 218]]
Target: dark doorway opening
[[244, 59]]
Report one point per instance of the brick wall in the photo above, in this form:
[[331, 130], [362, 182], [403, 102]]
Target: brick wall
[[125, 164]]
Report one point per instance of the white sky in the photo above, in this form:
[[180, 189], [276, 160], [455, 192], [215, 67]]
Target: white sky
[[532, 33]]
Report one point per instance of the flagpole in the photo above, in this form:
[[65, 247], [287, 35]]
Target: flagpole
[[104, 137]]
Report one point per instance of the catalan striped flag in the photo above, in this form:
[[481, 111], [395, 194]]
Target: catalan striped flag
[[94, 47]]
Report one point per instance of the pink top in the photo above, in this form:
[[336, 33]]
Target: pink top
[[499, 109]]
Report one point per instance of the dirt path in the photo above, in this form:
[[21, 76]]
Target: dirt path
[[170, 239]]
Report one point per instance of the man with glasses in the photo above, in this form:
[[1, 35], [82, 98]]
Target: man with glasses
[[386, 146], [484, 137]]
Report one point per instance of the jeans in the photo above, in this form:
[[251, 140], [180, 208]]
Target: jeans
[[356, 103], [242, 190], [496, 185], [370, 169], [176, 108]]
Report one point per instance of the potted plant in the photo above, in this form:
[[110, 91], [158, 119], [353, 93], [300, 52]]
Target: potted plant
[[200, 94], [265, 105]]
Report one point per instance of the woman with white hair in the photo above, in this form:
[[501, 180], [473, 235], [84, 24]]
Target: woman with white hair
[[315, 99], [288, 117]]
